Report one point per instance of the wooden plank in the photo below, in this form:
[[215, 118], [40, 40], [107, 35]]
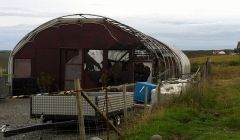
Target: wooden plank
[[80, 110], [100, 112], [145, 97], [120, 87]]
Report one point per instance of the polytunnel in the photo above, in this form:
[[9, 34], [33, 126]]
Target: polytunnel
[[98, 50]]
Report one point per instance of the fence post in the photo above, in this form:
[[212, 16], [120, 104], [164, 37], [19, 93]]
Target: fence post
[[125, 103], [158, 91], [80, 110], [145, 97], [203, 73], [95, 107], [107, 105], [209, 66]]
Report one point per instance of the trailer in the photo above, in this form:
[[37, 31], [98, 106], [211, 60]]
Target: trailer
[[64, 107], [61, 110]]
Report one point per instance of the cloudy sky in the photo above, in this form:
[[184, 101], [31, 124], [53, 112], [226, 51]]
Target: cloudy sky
[[187, 24]]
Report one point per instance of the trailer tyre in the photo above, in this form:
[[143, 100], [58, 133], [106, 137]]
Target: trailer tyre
[[43, 119], [117, 120]]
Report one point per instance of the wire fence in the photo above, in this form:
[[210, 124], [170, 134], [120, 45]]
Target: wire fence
[[85, 114], [79, 114]]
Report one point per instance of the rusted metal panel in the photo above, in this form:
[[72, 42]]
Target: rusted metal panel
[[47, 62], [26, 52], [48, 38]]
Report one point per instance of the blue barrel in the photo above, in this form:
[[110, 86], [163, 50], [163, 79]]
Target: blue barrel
[[139, 91]]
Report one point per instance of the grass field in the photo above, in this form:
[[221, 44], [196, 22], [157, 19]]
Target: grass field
[[211, 112]]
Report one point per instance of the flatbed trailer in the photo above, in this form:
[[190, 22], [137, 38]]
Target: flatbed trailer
[[60, 110], [64, 107]]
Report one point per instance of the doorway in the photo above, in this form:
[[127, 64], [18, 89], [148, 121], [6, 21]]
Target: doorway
[[71, 63]]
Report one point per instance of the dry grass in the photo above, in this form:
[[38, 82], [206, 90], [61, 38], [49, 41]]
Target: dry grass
[[229, 72]]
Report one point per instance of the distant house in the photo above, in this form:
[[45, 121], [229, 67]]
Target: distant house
[[219, 52]]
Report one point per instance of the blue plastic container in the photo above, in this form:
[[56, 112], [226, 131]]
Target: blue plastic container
[[139, 91]]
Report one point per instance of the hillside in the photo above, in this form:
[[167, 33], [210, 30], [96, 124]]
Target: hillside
[[4, 59], [209, 112]]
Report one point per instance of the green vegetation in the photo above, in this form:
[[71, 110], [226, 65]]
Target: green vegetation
[[198, 53], [209, 112], [4, 59], [45, 82], [225, 60]]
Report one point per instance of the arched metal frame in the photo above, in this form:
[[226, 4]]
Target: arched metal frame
[[175, 62]]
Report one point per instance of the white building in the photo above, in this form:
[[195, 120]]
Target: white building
[[219, 52]]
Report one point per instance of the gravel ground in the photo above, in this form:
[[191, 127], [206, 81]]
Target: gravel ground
[[16, 113]]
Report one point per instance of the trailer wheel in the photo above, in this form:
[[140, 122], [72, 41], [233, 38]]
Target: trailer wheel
[[117, 120], [43, 119]]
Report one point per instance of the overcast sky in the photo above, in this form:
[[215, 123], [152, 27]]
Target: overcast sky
[[187, 24]]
